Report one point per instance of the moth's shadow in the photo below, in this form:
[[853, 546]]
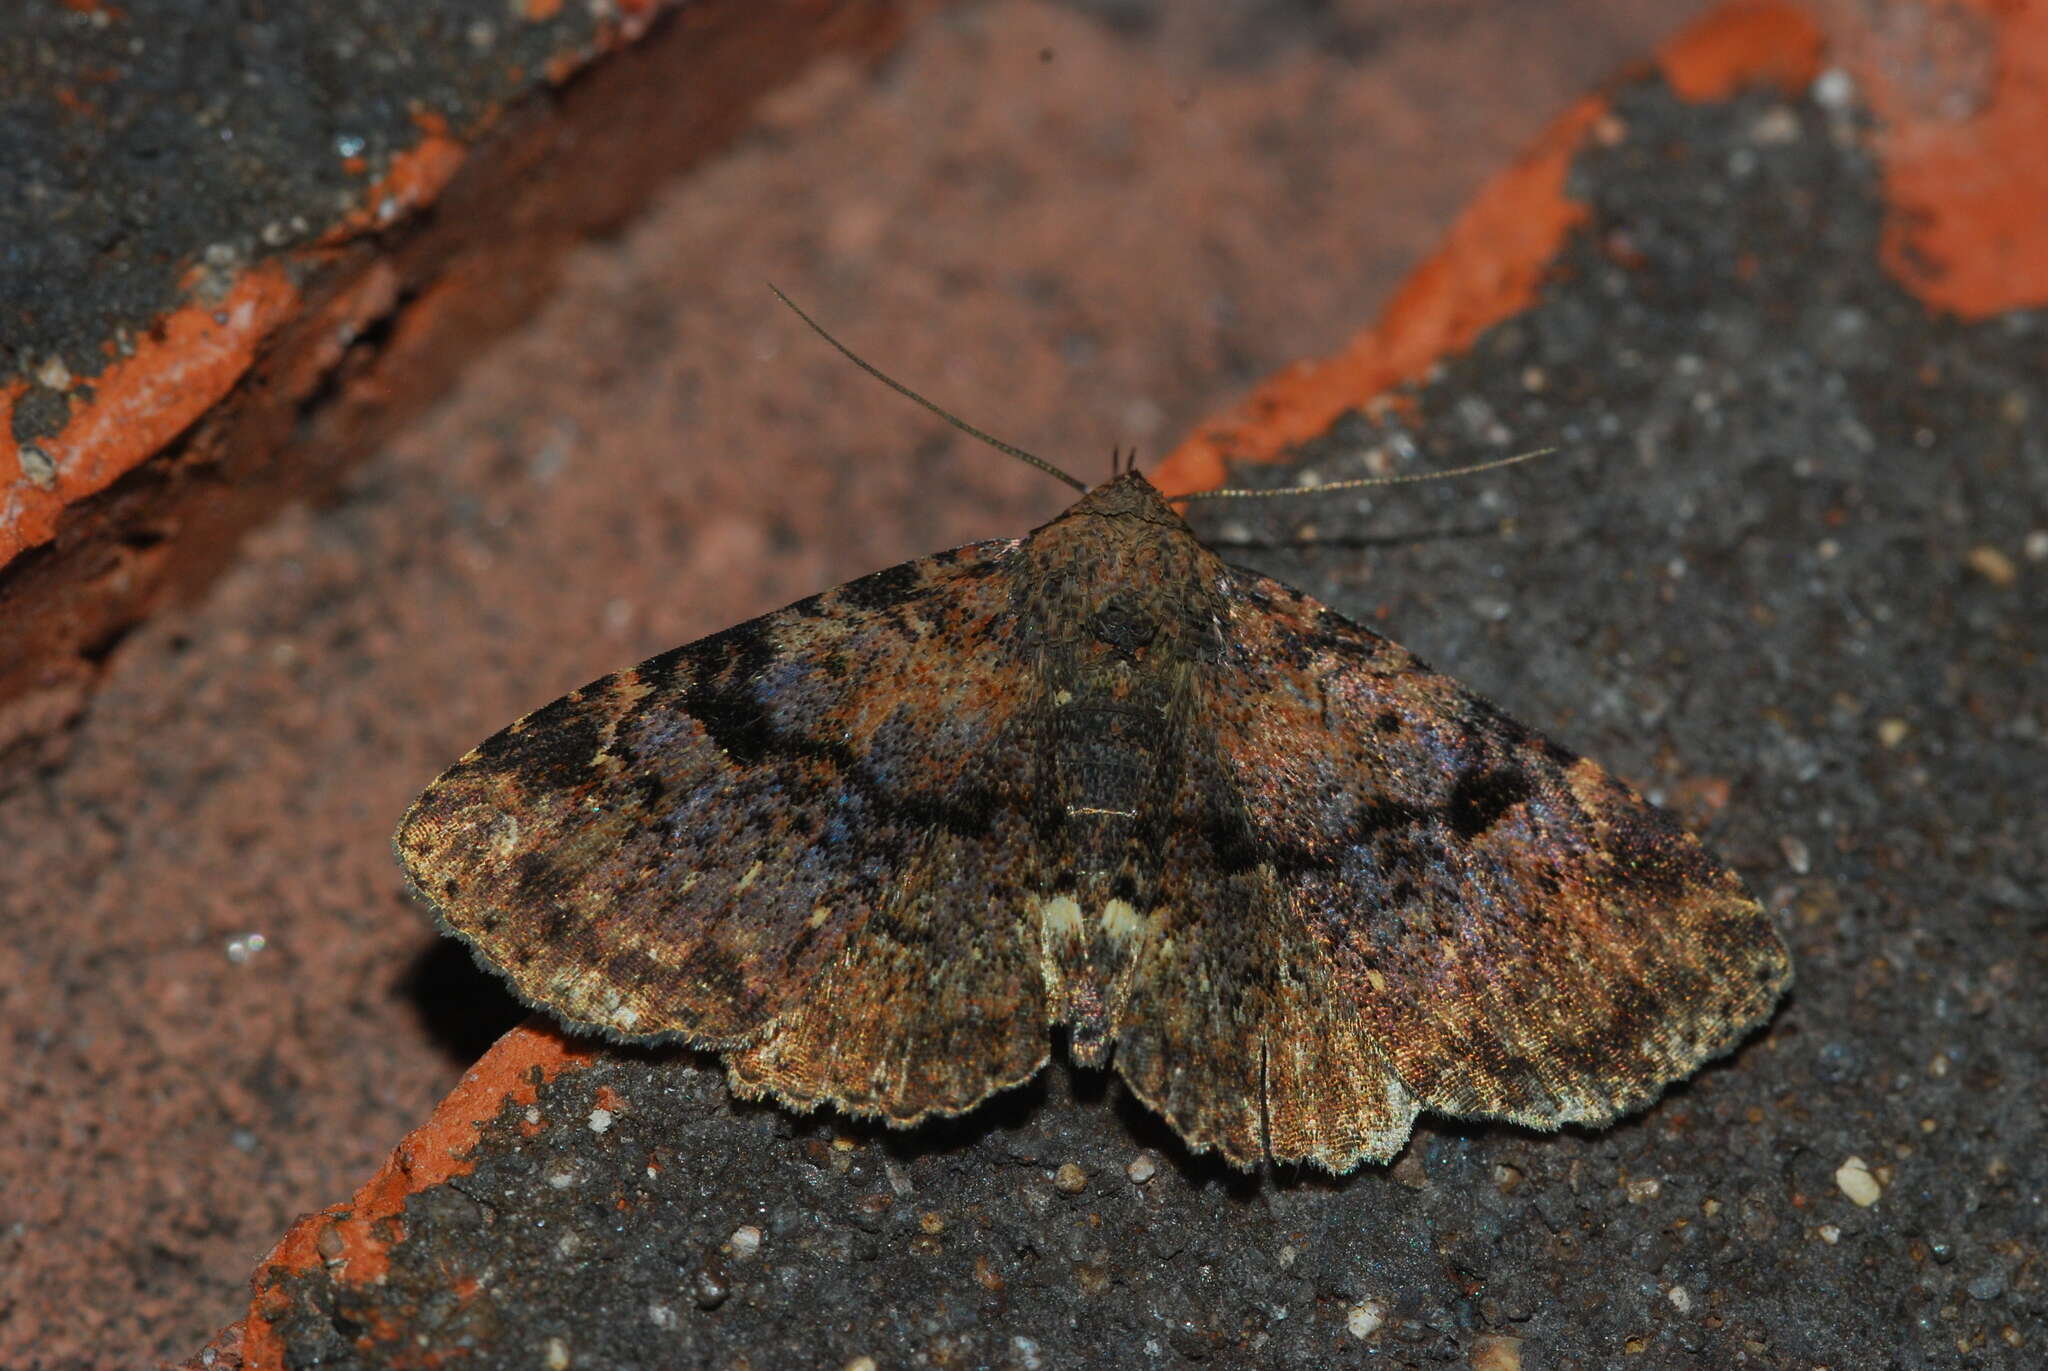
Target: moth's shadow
[[466, 1009], [463, 1008], [1060, 1086]]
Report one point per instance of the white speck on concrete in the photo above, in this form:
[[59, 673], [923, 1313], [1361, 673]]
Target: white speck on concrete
[[1855, 1180], [1364, 1319], [1834, 88]]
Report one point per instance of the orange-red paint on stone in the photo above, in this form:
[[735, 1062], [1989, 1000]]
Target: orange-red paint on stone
[[178, 371], [1968, 227], [358, 1234], [417, 177], [1967, 231], [1750, 42], [71, 102]]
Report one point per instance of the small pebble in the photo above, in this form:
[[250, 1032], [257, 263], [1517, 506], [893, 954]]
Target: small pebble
[[1070, 1179], [1829, 1234], [1496, 1352], [861, 1363], [1834, 88], [745, 1240], [1681, 1299], [1775, 126], [1796, 854], [241, 950], [556, 1355], [1891, 732], [711, 1285], [1993, 565], [1988, 1286], [1364, 1320], [1854, 1177], [37, 466], [1142, 1168], [600, 1120]]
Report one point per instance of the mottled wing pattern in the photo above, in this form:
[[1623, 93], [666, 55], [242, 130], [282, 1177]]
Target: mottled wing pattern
[[790, 841], [1440, 908]]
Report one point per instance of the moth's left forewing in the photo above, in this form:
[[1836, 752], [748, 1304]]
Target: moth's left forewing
[[801, 841], [1524, 936]]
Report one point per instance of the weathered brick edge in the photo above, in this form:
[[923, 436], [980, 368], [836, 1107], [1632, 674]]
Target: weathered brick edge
[[271, 379]]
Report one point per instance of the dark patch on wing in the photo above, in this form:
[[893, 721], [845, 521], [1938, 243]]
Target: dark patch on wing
[[551, 748], [885, 589], [723, 698], [1479, 798], [535, 873]]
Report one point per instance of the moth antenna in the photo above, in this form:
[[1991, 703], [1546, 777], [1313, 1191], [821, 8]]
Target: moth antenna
[[1407, 479], [970, 430]]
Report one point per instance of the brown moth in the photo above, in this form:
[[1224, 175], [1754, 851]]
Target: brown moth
[[1292, 884]]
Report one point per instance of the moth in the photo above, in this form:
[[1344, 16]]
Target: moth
[[1293, 885]]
